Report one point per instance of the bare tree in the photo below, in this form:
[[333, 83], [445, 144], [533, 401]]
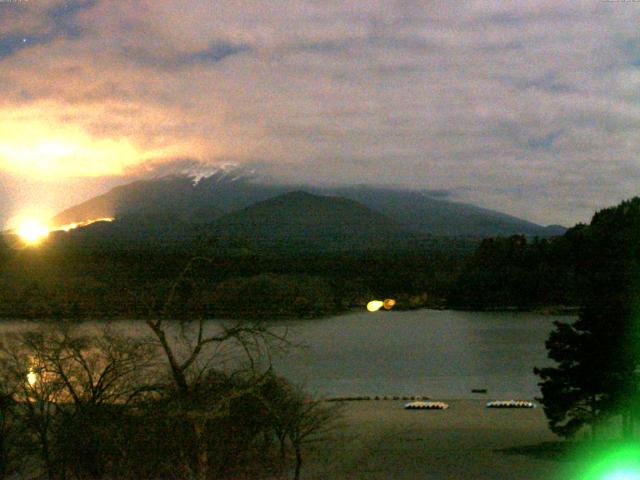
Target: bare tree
[[55, 373], [104, 367], [192, 348], [7, 405], [35, 400], [296, 417], [90, 399], [311, 419]]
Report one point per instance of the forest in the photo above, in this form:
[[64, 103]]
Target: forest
[[226, 280], [55, 281]]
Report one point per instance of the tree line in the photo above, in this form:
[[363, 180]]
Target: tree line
[[55, 282], [519, 272]]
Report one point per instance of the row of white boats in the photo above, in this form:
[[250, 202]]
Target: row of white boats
[[492, 404]]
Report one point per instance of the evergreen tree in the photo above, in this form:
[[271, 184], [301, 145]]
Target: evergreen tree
[[598, 355]]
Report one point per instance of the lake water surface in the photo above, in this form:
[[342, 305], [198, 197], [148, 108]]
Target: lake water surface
[[438, 353]]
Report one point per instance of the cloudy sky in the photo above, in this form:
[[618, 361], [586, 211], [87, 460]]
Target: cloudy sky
[[531, 108]]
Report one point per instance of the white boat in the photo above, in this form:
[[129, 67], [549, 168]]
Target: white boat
[[426, 406], [510, 404]]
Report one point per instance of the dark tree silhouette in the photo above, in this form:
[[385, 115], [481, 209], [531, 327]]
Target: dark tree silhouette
[[598, 356]]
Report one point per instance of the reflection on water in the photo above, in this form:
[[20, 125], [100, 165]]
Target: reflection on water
[[435, 353]]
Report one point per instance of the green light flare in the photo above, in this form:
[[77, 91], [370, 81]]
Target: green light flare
[[613, 462], [622, 474]]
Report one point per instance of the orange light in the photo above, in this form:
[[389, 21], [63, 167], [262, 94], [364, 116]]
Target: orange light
[[74, 225], [389, 303], [32, 232]]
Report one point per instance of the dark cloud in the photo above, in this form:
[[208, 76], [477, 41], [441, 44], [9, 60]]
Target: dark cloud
[[58, 21], [64, 17], [215, 52], [15, 42], [545, 141]]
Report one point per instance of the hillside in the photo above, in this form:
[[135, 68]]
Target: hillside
[[206, 200], [312, 221], [179, 196], [295, 221], [421, 212], [141, 230]]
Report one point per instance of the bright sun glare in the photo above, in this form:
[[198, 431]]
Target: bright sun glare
[[37, 148], [32, 232], [38, 141]]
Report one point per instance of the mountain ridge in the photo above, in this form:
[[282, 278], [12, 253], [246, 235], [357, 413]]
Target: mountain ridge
[[205, 200]]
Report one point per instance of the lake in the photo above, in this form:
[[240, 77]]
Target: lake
[[437, 353]]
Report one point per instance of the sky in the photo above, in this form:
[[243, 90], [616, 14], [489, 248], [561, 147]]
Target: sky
[[530, 108]]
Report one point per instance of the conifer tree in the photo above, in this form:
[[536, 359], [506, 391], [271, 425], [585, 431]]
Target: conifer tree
[[598, 355]]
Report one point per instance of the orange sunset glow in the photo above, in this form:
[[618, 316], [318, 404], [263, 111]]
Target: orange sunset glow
[[33, 147], [32, 232]]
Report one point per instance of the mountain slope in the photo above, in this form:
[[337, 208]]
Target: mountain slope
[[311, 221], [173, 195], [292, 222], [420, 212], [181, 196], [204, 201]]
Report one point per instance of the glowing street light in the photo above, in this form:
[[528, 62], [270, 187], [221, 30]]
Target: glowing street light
[[374, 305], [389, 303]]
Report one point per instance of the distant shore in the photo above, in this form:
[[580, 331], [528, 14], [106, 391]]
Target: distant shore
[[544, 310]]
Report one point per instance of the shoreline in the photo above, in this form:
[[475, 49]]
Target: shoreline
[[551, 310], [412, 398]]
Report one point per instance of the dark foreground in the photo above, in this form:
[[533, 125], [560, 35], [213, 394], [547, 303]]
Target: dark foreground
[[380, 440]]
